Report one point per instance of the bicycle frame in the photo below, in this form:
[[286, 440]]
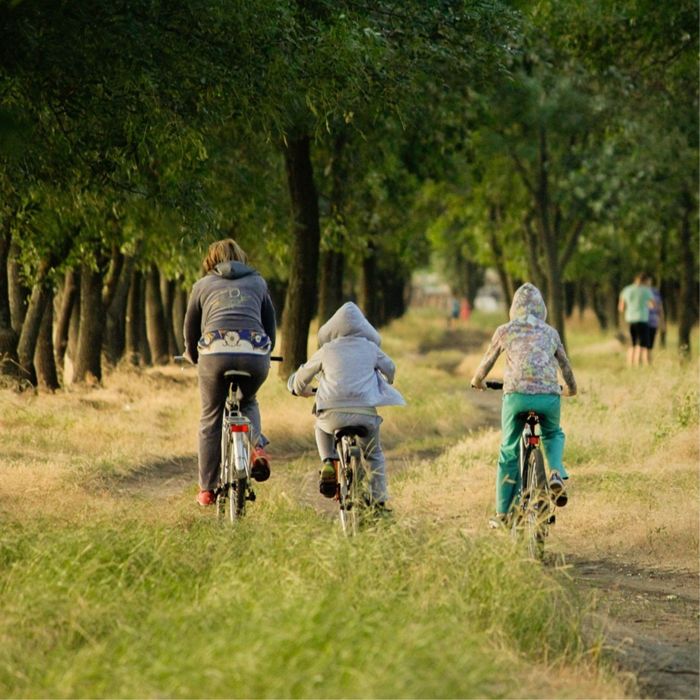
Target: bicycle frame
[[235, 470], [351, 477], [529, 441], [533, 510]]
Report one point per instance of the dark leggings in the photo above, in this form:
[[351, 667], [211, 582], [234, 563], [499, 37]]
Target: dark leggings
[[212, 389]]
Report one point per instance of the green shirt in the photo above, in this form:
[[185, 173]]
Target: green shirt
[[637, 298]]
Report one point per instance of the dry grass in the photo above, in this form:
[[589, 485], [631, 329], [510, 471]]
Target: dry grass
[[89, 454]]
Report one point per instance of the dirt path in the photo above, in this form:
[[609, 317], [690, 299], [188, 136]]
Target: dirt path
[[651, 622]]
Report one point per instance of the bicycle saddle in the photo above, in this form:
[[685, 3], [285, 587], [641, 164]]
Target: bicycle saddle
[[350, 430], [236, 373]]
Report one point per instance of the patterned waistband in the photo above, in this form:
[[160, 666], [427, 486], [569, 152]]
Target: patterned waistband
[[234, 341]]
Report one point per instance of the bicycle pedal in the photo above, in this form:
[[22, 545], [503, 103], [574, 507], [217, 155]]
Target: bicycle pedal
[[552, 519], [250, 496]]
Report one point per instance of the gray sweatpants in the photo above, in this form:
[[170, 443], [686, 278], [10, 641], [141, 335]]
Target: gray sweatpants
[[330, 420], [212, 389]]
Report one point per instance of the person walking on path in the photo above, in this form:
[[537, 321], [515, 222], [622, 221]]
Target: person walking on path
[[229, 324], [657, 316], [636, 300]]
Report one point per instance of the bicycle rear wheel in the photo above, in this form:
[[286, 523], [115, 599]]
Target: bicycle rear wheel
[[236, 499], [535, 515], [349, 476]]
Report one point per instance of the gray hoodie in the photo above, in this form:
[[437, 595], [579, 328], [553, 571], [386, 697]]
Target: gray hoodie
[[353, 372], [232, 297]]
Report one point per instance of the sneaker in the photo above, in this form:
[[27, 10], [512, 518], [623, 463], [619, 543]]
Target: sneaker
[[206, 498], [328, 483], [381, 510], [497, 521], [260, 464], [556, 486]]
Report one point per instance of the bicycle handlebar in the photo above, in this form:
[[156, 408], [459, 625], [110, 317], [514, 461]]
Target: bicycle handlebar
[[181, 359], [497, 384]]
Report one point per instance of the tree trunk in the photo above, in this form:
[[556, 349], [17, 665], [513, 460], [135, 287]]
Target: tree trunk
[[496, 217], [688, 289], [8, 335], [556, 298], [44, 358], [370, 289], [330, 295], [92, 321], [69, 298], [179, 309], [611, 290], [31, 326], [599, 306], [73, 333], [548, 235], [115, 328], [17, 292], [300, 303], [167, 293], [156, 331], [137, 348]]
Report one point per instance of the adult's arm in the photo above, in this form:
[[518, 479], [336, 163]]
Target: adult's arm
[[192, 329], [269, 321]]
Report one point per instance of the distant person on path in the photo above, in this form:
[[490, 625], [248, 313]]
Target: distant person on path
[[229, 324], [454, 312], [657, 315], [354, 377], [530, 383], [635, 302], [465, 310]]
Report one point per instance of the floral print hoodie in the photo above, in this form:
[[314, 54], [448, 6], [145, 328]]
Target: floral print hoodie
[[532, 347]]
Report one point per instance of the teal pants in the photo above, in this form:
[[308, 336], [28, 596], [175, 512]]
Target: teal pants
[[514, 406]]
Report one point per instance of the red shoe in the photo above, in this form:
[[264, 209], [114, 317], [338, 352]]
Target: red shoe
[[206, 498], [260, 467]]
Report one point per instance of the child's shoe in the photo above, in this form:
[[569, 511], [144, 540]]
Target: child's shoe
[[381, 510], [498, 521], [556, 486], [328, 483], [260, 464]]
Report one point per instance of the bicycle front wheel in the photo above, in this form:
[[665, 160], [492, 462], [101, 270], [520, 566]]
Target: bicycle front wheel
[[535, 505]]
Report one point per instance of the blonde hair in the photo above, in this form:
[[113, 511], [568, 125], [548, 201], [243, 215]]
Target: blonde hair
[[223, 251]]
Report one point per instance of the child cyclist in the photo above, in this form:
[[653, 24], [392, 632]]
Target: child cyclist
[[533, 350], [353, 379]]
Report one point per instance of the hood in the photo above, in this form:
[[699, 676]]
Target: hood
[[348, 320], [233, 270], [527, 301]]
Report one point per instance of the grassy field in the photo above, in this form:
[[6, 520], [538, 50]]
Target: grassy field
[[114, 584]]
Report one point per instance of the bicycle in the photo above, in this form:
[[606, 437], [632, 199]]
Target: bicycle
[[353, 494], [533, 509], [235, 487]]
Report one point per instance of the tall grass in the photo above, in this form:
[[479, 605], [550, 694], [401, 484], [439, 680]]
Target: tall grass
[[113, 584], [281, 607]]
